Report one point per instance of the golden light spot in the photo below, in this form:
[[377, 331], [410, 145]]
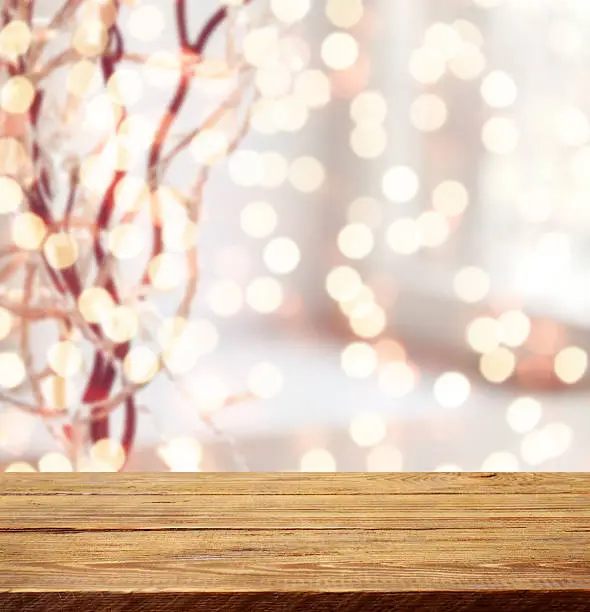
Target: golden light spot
[[120, 323], [523, 414], [93, 302], [404, 236], [166, 271], [428, 113], [358, 360], [551, 441], [484, 334], [290, 11], [450, 198], [65, 358], [117, 154], [516, 327], [306, 174], [162, 69], [273, 81], [452, 389], [183, 342], [365, 210], [468, 31], [294, 52], [137, 132], [469, 63], [355, 241], [367, 429], [262, 116], [444, 39], [289, 113], [6, 322], [108, 452], [344, 14], [131, 194], [559, 437], [343, 283], [140, 365], [339, 50], [90, 38], [12, 370], [11, 195], [282, 255], [434, 228], [146, 23], [28, 231], [397, 379], [125, 87], [14, 159], [368, 141], [317, 460], [264, 294], [245, 168], [471, 284], [210, 393], [265, 380], [448, 467], [500, 461], [389, 349], [209, 146], [17, 95], [275, 169], [571, 364], [360, 304], [400, 184], [179, 236], [258, 219], [57, 392], [80, 77], [426, 65], [20, 466], [225, 298], [181, 454], [498, 89], [385, 458], [259, 45], [61, 250], [55, 462], [15, 38], [368, 322], [500, 135], [368, 107], [498, 365], [102, 114], [313, 88]]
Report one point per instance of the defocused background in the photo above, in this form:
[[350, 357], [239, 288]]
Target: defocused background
[[396, 259]]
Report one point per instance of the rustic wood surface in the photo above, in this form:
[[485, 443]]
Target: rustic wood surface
[[295, 542]]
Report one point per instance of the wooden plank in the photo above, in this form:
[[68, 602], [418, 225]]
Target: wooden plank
[[283, 560], [291, 483], [345, 541], [379, 511]]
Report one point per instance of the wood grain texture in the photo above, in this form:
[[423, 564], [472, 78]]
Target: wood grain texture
[[295, 542]]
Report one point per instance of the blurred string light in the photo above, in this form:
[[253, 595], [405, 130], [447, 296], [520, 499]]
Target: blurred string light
[[367, 429], [276, 62], [385, 458], [368, 110], [317, 460], [288, 88]]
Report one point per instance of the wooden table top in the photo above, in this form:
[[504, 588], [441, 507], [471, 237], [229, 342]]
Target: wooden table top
[[407, 541]]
